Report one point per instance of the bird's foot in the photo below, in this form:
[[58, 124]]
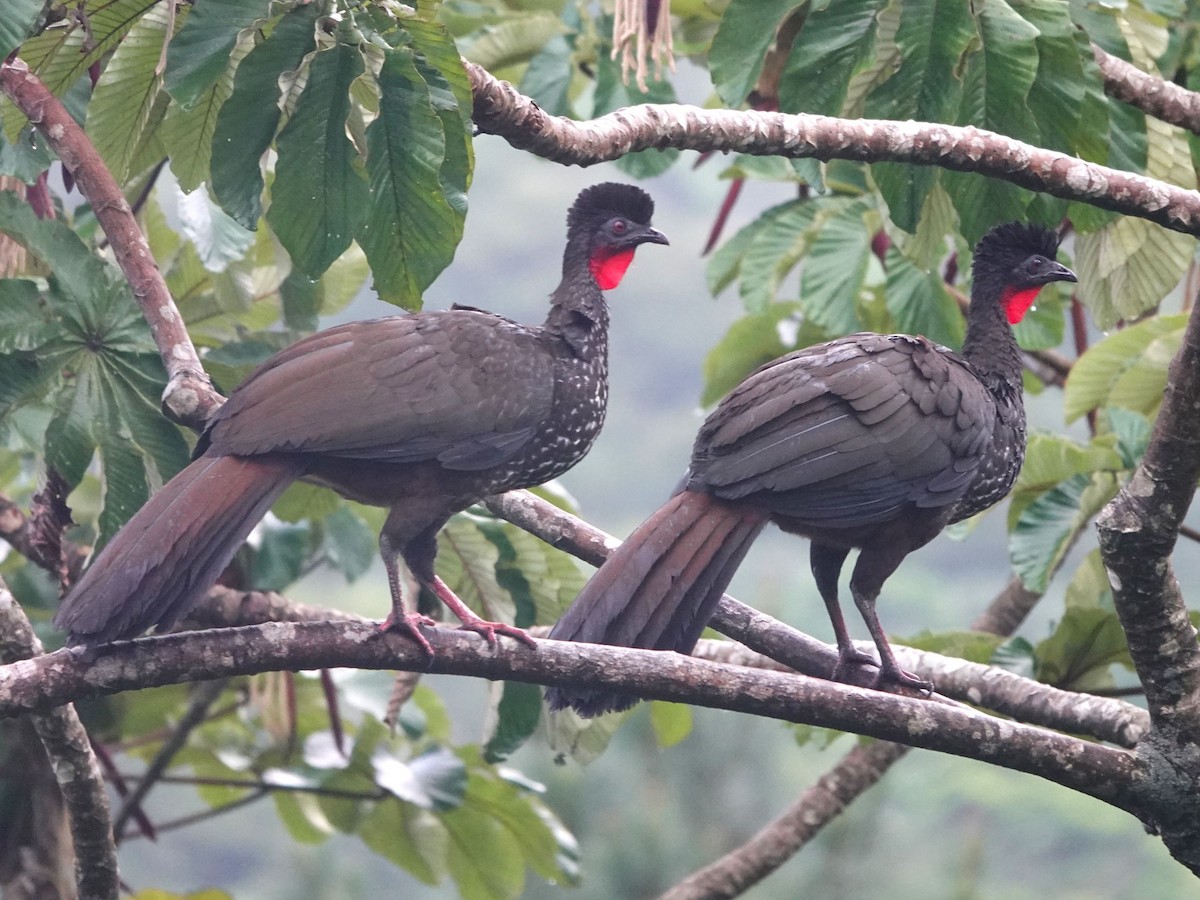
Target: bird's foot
[[490, 629], [897, 676], [411, 623], [850, 661]]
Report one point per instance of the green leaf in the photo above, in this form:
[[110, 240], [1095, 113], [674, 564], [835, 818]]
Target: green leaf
[[513, 715], [200, 52], [1046, 527], [1132, 431], [672, 722], [352, 543], [1016, 655], [434, 780], [467, 562], [1132, 264], [1127, 369], [97, 370], [1089, 587], [516, 39], [1045, 324], [1066, 98], [319, 200], [971, 645], [412, 230], [919, 302], [825, 55], [746, 32], [128, 104], [1078, 655], [777, 246], [280, 556], [1054, 458], [218, 239], [302, 816], [247, 121], [750, 342], [16, 23], [412, 838], [834, 270], [1000, 74]]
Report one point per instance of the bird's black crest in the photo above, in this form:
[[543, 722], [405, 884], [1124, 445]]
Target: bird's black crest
[[1018, 237], [611, 199]]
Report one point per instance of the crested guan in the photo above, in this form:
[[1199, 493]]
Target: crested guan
[[870, 441], [422, 414]]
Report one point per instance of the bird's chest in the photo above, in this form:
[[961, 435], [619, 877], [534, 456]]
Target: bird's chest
[[564, 437], [1000, 465]]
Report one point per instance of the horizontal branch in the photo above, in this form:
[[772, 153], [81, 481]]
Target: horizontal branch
[[501, 110], [980, 685], [57, 678]]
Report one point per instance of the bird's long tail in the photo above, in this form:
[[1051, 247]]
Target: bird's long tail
[[659, 589], [174, 548]]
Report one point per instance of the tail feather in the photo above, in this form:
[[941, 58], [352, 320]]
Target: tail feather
[[659, 589], [174, 548]]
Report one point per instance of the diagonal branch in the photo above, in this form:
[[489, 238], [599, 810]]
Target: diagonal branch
[[189, 396], [1152, 94]]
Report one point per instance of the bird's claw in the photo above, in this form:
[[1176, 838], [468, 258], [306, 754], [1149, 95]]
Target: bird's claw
[[411, 624], [489, 630]]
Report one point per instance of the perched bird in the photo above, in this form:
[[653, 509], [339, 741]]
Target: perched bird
[[421, 414], [870, 441]]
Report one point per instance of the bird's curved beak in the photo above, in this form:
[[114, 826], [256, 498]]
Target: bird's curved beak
[[648, 236], [1056, 271]]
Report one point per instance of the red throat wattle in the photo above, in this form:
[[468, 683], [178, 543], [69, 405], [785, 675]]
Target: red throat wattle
[[608, 266], [1017, 302]]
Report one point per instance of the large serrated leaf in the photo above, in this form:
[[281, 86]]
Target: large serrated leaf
[[750, 342], [247, 121], [740, 45], [1127, 369], [1084, 645], [16, 23], [825, 55], [1130, 265], [128, 104], [200, 52], [411, 230], [775, 250], [919, 302], [517, 39], [834, 269], [1046, 527], [467, 563], [514, 710], [412, 838], [319, 200]]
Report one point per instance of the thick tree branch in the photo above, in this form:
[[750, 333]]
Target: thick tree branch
[[1098, 771], [1152, 94], [189, 396], [1138, 531], [74, 764], [979, 685], [501, 110]]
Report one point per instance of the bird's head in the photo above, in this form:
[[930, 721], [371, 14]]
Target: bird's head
[[611, 220], [1014, 261]]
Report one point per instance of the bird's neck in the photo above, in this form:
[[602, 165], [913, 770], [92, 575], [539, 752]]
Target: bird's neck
[[578, 313], [990, 346]]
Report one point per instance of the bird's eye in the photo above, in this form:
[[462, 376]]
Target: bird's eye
[[619, 226]]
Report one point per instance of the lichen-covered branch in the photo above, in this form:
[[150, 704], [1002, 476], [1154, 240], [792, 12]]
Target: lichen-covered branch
[[74, 765], [1102, 772], [501, 110], [1152, 94], [1138, 531], [189, 396]]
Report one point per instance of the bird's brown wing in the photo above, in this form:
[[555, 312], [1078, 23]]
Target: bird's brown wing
[[848, 433], [464, 387]]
